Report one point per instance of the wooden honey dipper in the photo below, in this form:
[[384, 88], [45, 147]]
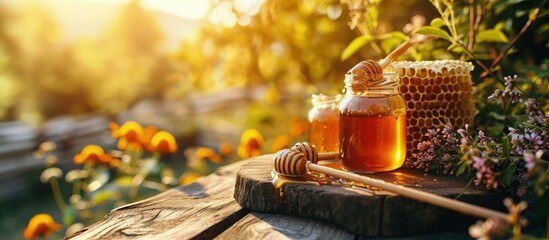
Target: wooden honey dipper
[[292, 163], [311, 152]]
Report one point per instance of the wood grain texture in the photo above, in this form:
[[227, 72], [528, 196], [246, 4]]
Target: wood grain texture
[[202, 209], [258, 225], [364, 212]]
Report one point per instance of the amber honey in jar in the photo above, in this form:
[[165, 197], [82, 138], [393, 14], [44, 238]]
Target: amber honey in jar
[[324, 122], [372, 123]]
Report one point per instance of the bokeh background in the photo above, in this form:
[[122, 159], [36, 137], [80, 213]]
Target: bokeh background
[[203, 70]]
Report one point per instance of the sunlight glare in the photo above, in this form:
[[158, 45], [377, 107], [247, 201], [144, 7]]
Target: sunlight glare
[[190, 9]]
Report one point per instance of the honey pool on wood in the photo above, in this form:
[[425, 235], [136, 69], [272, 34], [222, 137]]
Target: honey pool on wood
[[358, 209]]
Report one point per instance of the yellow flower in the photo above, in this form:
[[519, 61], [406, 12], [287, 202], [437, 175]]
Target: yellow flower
[[225, 148], [208, 153], [94, 154], [41, 225], [164, 142], [188, 178], [128, 134], [250, 143], [145, 139], [298, 127], [280, 142]]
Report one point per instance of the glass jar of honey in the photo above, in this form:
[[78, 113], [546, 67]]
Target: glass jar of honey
[[324, 122], [372, 121]]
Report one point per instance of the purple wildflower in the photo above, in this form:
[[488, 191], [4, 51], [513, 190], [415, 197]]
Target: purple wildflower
[[514, 95]]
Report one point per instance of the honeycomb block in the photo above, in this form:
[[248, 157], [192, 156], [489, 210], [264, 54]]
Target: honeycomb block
[[437, 93]]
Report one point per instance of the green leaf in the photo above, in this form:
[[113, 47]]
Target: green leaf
[[508, 175], [491, 35], [497, 116], [69, 215], [433, 31], [355, 45], [506, 146], [461, 169], [437, 23], [396, 35]]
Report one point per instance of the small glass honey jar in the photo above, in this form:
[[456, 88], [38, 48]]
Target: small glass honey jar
[[324, 122], [372, 122]]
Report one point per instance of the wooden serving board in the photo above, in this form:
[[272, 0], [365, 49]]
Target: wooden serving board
[[362, 211]]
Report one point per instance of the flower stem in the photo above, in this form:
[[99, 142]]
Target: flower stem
[[57, 194], [465, 188]]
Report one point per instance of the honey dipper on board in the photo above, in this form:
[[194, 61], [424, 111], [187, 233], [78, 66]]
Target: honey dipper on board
[[292, 163]]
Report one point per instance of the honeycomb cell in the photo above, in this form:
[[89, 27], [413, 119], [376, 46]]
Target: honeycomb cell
[[435, 113], [417, 106], [420, 89], [415, 114], [411, 71], [428, 122], [455, 113], [438, 80], [412, 89], [440, 97], [422, 72], [448, 97], [455, 97], [446, 80], [459, 122], [435, 121], [445, 71], [436, 89], [444, 88], [428, 114], [444, 105], [422, 114], [410, 105], [407, 97], [416, 97], [421, 122], [417, 135], [403, 88], [405, 80], [462, 113], [452, 105], [425, 81], [431, 73], [460, 79], [413, 121], [424, 106]]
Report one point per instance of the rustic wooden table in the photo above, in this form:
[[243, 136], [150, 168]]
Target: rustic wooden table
[[206, 209]]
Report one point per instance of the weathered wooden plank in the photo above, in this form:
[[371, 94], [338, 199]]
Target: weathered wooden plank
[[258, 225], [362, 211], [202, 209]]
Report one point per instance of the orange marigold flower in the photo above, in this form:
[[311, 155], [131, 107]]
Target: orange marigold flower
[[146, 138], [298, 127], [93, 154], [41, 225], [164, 142], [208, 153], [188, 178], [225, 148], [250, 143], [129, 134], [280, 142]]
